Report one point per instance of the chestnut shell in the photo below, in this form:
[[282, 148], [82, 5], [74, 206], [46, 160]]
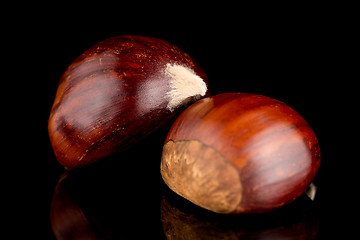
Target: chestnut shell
[[112, 96], [240, 153]]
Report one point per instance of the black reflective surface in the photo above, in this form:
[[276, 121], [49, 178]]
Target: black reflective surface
[[104, 205], [124, 197]]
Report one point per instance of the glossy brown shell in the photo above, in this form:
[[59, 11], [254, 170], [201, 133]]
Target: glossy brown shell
[[112, 96], [236, 153]]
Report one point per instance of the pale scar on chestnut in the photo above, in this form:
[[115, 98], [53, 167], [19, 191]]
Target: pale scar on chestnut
[[202, 175]]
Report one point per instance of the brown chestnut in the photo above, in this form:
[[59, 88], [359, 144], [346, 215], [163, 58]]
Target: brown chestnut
[[118, 92], [240, 153]]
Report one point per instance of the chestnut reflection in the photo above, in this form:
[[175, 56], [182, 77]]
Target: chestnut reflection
[[68, 220], [112, 199], [183, 220]]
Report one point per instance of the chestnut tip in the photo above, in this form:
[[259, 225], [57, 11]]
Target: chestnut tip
[[185, 84]]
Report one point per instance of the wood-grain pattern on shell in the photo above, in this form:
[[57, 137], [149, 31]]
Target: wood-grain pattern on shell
[[112, 96], [273, 149]]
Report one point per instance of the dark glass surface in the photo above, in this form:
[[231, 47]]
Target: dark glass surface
[[99, 203], [124, 197]]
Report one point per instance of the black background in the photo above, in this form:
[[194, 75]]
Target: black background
[[295, 57]]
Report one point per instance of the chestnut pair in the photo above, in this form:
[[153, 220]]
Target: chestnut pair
[[228, 153]]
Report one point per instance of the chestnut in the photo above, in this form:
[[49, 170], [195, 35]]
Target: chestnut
[[118, 92], [240, 153]]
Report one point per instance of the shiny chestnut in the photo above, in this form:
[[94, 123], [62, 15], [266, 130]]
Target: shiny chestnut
[[118, 92], [240, 153]]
